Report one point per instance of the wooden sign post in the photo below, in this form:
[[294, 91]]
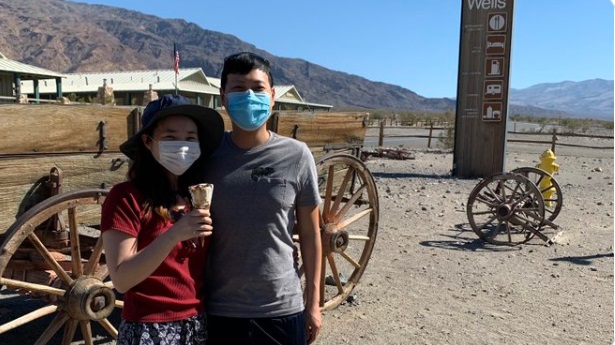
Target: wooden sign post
[[482, 87]]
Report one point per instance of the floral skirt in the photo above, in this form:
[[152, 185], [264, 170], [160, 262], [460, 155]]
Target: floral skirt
[[191, 331]]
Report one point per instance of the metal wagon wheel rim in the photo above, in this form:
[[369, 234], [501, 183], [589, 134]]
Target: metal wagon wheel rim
[[506, 209], [553, 204], [82, 295], [349, 225]]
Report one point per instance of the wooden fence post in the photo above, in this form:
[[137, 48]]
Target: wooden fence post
[[430, 132], [381, 134], [553, 140]]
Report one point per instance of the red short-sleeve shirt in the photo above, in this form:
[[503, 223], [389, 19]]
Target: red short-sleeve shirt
[[174, 291]]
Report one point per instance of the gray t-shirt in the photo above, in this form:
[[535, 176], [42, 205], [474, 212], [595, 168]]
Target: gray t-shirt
[[250, 270]]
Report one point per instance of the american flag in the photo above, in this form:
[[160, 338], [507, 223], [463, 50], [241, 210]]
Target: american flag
[[175, 59]]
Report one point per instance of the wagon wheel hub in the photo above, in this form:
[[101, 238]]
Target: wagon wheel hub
[[333, 240], [504, 211], [89, 299]]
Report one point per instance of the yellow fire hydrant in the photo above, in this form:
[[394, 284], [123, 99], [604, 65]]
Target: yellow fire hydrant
[[547, 163]]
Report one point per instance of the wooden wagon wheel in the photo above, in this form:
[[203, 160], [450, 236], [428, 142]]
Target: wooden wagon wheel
[[506, 209], [349, 224], [553, 203], [79, 293]]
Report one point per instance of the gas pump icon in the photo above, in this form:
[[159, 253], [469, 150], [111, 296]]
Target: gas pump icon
[[495, 68]]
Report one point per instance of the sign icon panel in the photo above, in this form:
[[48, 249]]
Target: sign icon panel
[[496, 44], [497, 22], [493, 67], [493, 89], [492, 111]]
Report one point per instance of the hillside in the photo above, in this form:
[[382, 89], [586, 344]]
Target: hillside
[[585, 98], [53, 34], [73, 37]]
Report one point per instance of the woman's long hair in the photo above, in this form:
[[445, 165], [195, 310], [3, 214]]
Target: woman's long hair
[[150, 179]]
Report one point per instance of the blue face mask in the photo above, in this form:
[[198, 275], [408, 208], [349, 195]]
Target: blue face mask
[[248, 110]]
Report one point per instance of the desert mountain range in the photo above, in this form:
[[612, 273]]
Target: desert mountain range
[[72, 37]]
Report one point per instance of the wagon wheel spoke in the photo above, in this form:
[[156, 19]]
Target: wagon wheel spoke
[[482, 199], [546, 189], [527, 224], [326, 210], [108, 327], [53, 327], [75, 246], [69, 332], [323, 273], [339, 196], [537, 181], [488, 222], [514, 191], [86, 332], [527, 196], [92, 263], [336, 274], [22, 320], [49, 258], [528, 209], [502, 189], [508, 232], [359, 238], [529, 217], [34, 287], [344, 224], [350, 203], [493, 194], [480, 213], [350, 260]]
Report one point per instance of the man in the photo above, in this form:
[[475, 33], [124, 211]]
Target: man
[[263, 184]]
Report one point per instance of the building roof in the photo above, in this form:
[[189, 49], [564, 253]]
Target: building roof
[[215, 81], [189, 79], [26, 71], [283, 93]]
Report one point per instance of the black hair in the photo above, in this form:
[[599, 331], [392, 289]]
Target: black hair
[[242, 63]]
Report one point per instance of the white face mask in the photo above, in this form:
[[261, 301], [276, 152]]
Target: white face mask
[[178, 156]]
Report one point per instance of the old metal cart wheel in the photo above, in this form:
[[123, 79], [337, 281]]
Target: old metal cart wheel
[[505, 209], [553, 203], [349, 225], [77, 291]]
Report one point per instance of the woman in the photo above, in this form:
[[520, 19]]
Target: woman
[[155, 245]]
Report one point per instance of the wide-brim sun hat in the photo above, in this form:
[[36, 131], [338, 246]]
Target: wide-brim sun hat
[[208, 121]]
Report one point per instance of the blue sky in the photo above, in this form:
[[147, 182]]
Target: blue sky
[[411, 43]]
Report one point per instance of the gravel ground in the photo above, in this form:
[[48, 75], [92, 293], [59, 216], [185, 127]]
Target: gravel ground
[[430, 280]]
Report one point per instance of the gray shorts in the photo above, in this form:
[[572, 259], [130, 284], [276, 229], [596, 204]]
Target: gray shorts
[[190, 331]]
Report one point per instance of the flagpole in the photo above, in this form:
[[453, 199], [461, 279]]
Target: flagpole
[[176, 66]]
